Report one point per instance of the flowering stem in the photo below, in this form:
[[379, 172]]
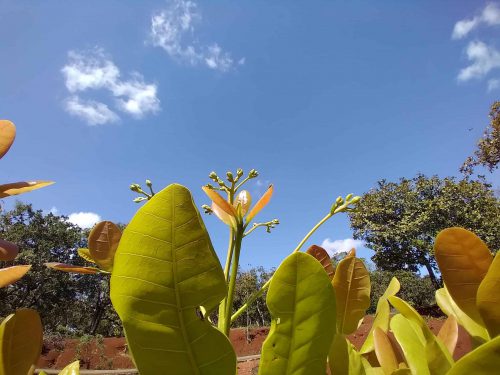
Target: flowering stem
[[232, 281]]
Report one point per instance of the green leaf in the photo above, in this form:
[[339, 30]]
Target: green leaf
[[369, 369], [343, 357], [20, 342], [412, 342], [478, 333], [352, 290], [463, 260], [382, 315], [71, 369], [488, 298], [485, 360], [103, 242], [165, 268], [85, 254], [301, 301]]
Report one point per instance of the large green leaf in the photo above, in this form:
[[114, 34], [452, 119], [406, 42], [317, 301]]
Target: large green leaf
[[382, 315], [485, 360], [488, 298], [343, 357], [352, 290], [463, 260], [164, 269], [20, 342], [478, 333], [301, 300]]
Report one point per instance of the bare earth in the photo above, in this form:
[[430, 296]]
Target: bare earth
[[112, 353]]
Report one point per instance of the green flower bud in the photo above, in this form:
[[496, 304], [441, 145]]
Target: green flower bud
[[253, 173], [230, 176], [355, 200], [348, 197], [149, 183], [339, 200], [213, 176], [239, 172], [135, 187]]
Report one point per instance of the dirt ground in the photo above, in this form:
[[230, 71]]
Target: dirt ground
[[111, 353]]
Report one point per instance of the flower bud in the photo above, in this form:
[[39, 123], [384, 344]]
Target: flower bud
[[139, 199], [213, 176], [355, 200], [348, 197], [135, 187], [239, 172], [253, 173], [149, 183], [229, 176], [339, 200]]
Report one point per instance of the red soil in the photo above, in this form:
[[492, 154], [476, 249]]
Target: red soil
[[112, 353]]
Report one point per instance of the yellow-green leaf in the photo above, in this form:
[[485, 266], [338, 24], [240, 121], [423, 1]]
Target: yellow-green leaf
[[15, 188], [382, 315], [72, 269], [488, 298], [262, 202], [10, 275], [369, 369], [343, 357], [478, 333], [322, 256], [20, 342], [485, 360], [71, 369], [352, 290], [384, 351], [103, 242], [85, 254], [463, 260], [8, 250], [7, 136], [448, 334]]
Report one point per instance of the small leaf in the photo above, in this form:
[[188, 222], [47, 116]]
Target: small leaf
[[488, 298], [8, 250], [85, 254], [72, 269], [322, 256], [16, 188], [351, 253], [219, 201], [71, 369], [243, 199], [384, 351], [463, 260], [103, 242], [485, 360], [20, 342], [10, 275], [263, 201], [224, 216], [7, 136], [352, 290], [448, 334], [478, 333]]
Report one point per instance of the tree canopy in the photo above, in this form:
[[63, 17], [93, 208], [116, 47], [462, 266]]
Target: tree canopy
[[399, 220]]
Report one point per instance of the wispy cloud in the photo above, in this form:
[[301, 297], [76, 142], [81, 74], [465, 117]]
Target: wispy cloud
[[173, 29], [340, 246], [483, 59], [84, 219], [94, 70], [489, 16], [493, 84]]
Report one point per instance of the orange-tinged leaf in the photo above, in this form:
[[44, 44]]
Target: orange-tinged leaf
[[384, 351], [15, 188], [8, 250], [72, 269], [463, 260], [223, 216], [10, 275], [322, 256], [448, 334], [263, 201], [219, 201], [488, 298], [351, 253], [243, 199], [103, 242], [7, 136]]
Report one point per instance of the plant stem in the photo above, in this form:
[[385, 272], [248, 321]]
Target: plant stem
[[232, 281], [222, 305], [258, 293]]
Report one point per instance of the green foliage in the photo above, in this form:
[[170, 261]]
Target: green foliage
[[417, 291], [399, 220], [165, 269]]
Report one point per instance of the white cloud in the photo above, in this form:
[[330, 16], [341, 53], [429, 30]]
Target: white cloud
[[493, 84], [490, 16], [484, 58], [94, 113], [173, 30], [339, 246], [94, 70], [84, 219]]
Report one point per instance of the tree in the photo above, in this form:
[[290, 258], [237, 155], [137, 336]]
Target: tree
[[67, 303], [399, 220], [487, 153]]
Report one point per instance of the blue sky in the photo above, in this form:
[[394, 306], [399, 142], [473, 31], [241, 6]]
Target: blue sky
[[323, 98]]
